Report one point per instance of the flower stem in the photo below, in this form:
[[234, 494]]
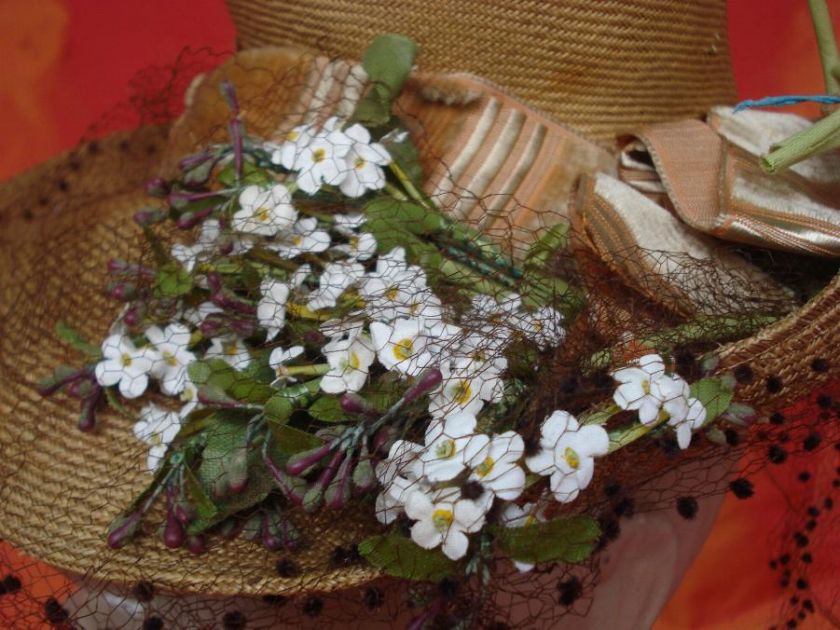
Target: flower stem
[[319, 369], [409, 187], [302, 311]]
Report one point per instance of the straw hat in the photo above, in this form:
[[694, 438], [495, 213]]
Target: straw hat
[[598, 70]]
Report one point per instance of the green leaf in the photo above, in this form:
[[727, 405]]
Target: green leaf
[[386, 214], [280, 406], [287, 441], [714, 395], [204, 507], [251, 174], [400, 557], [220, 376], [327, 409], [569, 539], [172, 280], [75, 339], [550, 241], [388, 61]]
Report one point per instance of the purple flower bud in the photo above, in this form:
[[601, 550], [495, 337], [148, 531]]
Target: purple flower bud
[[180, 198], [363, 476], [157, 187], [252, 530], [354, 404], [197, 544], [383, 439], [299, 462], [214, 281], [230, 528], [243, 327], [122, 291], [271, 538], [189, 220], [173, 533], [80, 388], [123, 528], [291, 536], [149, 216], [196, 159], [211, 326], [117, 265], [62, 377], [229, 95], [237, 470], [313, 498], [428, 380], [183, 512], [132, 317], [338, 492], [314, 338], [225, 248], [87, 417]]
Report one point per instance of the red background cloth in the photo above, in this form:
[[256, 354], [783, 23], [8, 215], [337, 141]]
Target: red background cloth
[[66, 63]]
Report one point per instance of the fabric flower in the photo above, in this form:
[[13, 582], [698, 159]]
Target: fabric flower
[[450, 444], [393, 287], [278, 359], [125, 364], [157, 427], [694, 419], [467, 385], [188, 396], [365, 161], [322, 160], [567, 454], [198, 314], [334, 280], [305, 237], [360, 247], [264, 211], [398, 479], [295, 141], [525, 516], [349, 361], [635, 391], [172, 345], [230, 349], [496, 466], [271, 311], [206, 243], [685, 414], [403, 346], [544, 327], [443, 518], [349, 224]]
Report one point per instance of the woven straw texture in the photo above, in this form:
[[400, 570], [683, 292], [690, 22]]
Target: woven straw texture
[[601, 67]]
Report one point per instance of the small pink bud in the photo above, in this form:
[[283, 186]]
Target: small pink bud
[[173, 534]]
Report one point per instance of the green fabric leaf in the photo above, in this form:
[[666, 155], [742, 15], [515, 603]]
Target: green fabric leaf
[[289, 441], [569, 539], [75, 339], [280, 406], [407, 157], [388, 61], [251, 174], [401, 557], [204, 507], [327, 409], [172, 280], [218, 375], [714, 395]]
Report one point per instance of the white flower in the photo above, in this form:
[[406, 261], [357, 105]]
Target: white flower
[[365, 161], [264, 211], [206, 243], [685, 414], [496, 466], [296, 140], [198, 314], [188, 396], [172, 345], [635, 390], [544, 327], [278, 359], [495, 321], [271, 311], [125, 364], [334, 280], [156, 427], [444, 518], [299, 276], [694, 419], [392, 290], [450, 444], [525, 516], [360, 247], [305, 237], [348, 224], [322, 160], [230, 349], [567, 452], [404, 346], [349, 361], [467, 385], [398, 479]]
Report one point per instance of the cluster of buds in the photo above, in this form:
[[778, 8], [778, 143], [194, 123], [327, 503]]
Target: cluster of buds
[[79, 384]]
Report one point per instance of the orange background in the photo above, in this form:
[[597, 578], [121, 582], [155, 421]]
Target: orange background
[[64, 64]]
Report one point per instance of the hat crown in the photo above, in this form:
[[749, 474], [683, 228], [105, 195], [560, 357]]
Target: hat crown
[[601, 67]]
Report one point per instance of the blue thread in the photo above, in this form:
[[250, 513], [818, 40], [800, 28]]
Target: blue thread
[[781, 101]]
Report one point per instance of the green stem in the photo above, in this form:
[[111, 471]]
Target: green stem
[[319, 369], [826, 44], [395, 192], [302, 311], [409, 187], [271, 259], [703, 330], [625, 436], [822, 136]]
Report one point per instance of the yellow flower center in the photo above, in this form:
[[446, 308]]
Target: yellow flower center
[[292, 135], [392, 293], [353, 361], [230, 348], [360, 163], [485, 467], [445, 449], [442, 519], [170, 359], [646, 387], [297, 240], [462, 394], [125, 359], [529, 520], [571, 457], [354, 242], [262, 214], [319, 155], [403, 349]]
